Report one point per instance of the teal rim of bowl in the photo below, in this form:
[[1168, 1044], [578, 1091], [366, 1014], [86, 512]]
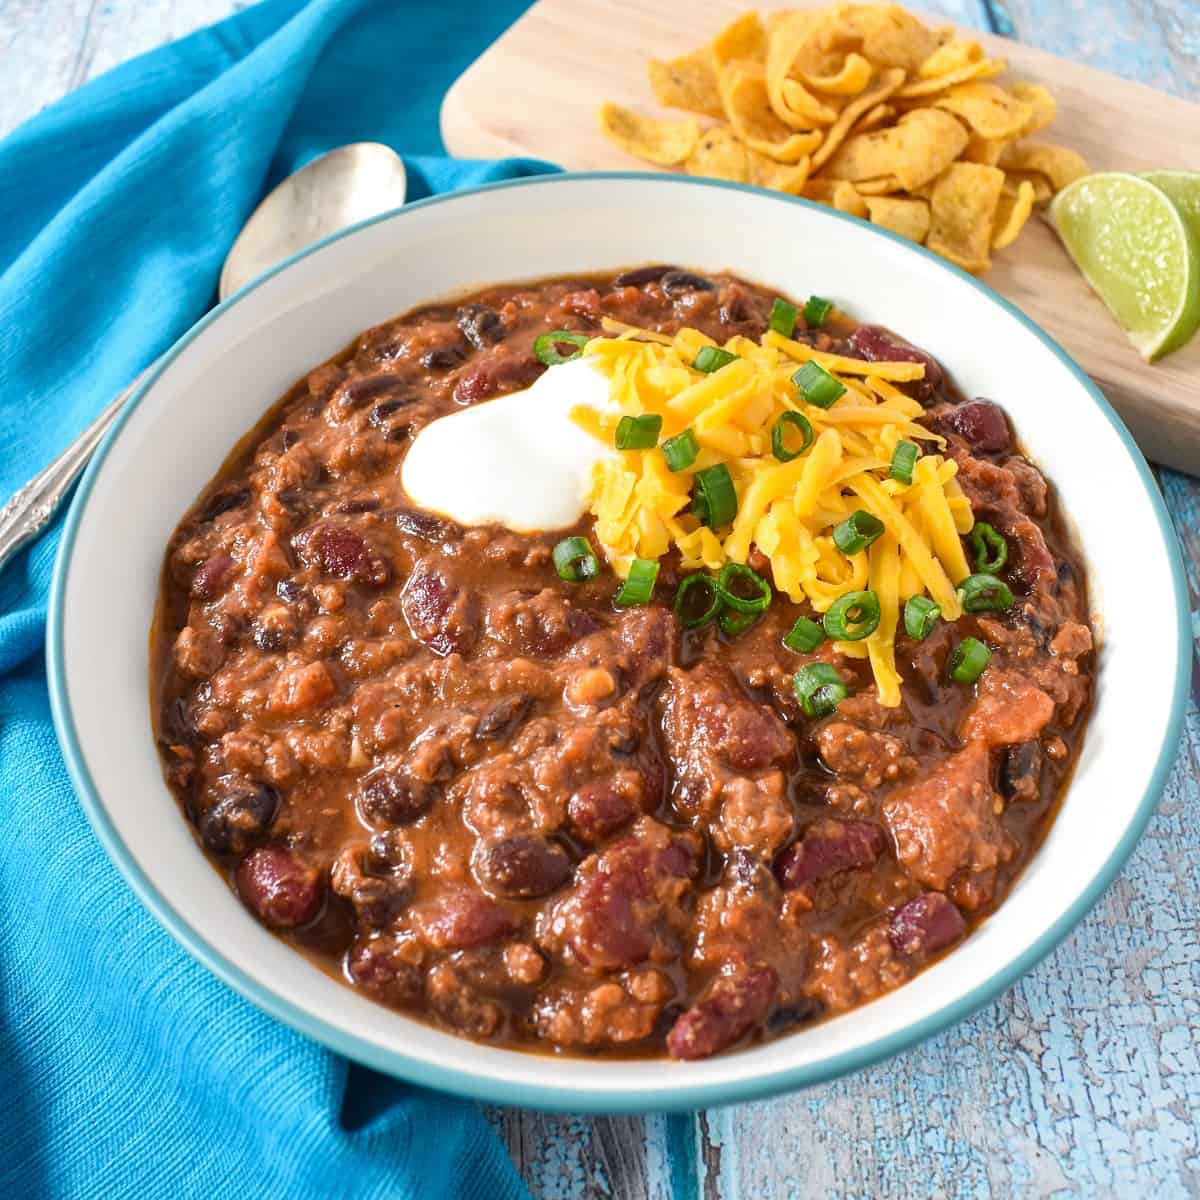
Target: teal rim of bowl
[[677, 1095]]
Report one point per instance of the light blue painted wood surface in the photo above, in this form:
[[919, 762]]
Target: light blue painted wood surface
[[1084, 1080]]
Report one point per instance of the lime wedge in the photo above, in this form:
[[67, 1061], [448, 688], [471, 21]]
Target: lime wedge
[[1135, 249], [1184, 189]]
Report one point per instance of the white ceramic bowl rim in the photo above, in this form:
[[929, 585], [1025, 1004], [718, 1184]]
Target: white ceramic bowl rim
[[676, 1093]]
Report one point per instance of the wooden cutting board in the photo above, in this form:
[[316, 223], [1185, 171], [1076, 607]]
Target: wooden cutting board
[[534, 92]]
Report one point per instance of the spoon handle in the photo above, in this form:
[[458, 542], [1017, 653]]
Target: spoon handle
[[33, 506]]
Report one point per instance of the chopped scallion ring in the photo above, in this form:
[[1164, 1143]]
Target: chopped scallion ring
[[734, 624], [920, 616], [968, 660], [639, 433], [575, 560], [816, 311], [680, 451], [853, 617], [797, 421], [989, 548], [712, 358], [805, 636], [696, 601], [904, 458], [735, 580], [547, 346], [819, 688], [783, 318], [857, 532], [638, 587], [817, 387], [714, 499], [984, 593]]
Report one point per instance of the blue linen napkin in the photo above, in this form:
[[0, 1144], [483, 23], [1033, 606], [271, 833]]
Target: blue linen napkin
[[127, 1069]]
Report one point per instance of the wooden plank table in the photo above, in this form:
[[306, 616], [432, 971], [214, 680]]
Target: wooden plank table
[[1084, 1080]]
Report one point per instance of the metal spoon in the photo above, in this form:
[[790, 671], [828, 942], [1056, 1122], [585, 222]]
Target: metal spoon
[[341, 187]]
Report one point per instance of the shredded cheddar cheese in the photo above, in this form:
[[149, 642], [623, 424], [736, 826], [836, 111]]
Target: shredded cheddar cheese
[[787, 510]]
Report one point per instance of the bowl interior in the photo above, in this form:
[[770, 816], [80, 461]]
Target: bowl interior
[[222, 377]]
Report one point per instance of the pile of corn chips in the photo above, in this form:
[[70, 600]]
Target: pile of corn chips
[[863, 107]]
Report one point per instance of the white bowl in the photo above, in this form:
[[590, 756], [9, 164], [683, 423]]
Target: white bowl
[[220, 378]]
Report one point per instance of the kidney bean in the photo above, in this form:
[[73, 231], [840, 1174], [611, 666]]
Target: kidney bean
[[481, 325], [494, 374], [925, 925], [383, 966], [676, 282], [982, 425], [877, 344], [828, 847], [358, 504], [504, 718], [521, 867], [730, 1008], [390, 796], [341, 553], [439, 613], [597, 810], [640, 276], [461, 918], [212, 577], [278, 888]]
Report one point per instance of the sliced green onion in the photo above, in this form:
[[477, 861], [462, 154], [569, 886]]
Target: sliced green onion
[[734, 624], [575, 560], [546, 346], [853, 617], [712, 358], [984, 593], [680, 451], [732, 574], [714, 500], [816, 311], [968, 660], [989, 548], [904, 458], [798, 421], [696, 601], [857, 531], [805, 636], [920, 616], [819, 688], [639, 433], [783, 318], [817, 386], [638, 587]]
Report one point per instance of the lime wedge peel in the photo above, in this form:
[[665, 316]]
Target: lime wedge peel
[[1183, 187], [1135, 249]]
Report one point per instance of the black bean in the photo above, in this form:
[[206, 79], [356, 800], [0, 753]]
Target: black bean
[[269, 638], [640, 276], [393, 797], [241, 815], [675, 283], [223, 502], [424, 526], [290, 591], [359, 504], [1020, 771], [177, 726], [442, 358], [502, 720], [800, 1012], [481, 325], [371, 387]]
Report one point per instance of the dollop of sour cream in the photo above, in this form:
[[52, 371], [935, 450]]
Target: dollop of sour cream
[[519, 461]]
